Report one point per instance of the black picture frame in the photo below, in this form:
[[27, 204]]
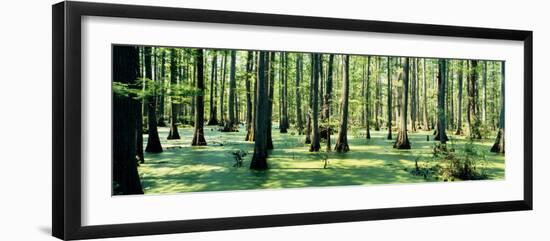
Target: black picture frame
[[67, 135]]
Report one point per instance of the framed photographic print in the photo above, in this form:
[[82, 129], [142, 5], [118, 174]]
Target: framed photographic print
[[170, 120]]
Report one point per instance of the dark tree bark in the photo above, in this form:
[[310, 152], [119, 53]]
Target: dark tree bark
[[299, 122], [328, 87], [327, 100], [363, 94], [125, 174], [315, 140], [498, 147], [249, 94], [473, 116], [484, 106], [222, 89], [389, 89], [367, 108], [425, 97], [342, 140], [231, 124], [413, 96], [173, 134], [284, 125], [271, 89], [140, 108], [198, 134], [139, 133], [310, 104], [377, 106], [213, 117], [153, 140], [459, 112], [161, 121], [402, 141], [441, 88], [259, 158]]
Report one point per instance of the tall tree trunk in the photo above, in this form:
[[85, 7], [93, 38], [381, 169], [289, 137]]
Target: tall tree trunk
[[342, 140], [161, 121], [213, 117], [140, 108], [425, 96], [367, 109], [459, 99], [413, 96], [315, 140], [498, 147], [402, 141], [125, 174], [473, 116], [284, 111], [327, 100], [222, 89], [259, 158], [230, 124], [271, 89], [377, 103], [389, 89], [173, 134], [249, 114], [299, 123], [484, 108], [441, 120], [153, 141], [198, 134], [309, 114]]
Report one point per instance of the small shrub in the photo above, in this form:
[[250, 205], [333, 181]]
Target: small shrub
[[468, 164], [447, 164]]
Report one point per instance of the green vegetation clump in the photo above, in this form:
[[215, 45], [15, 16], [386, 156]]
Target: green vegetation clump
[[448, 164]]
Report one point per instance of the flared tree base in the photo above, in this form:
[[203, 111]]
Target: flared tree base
[[229, 128], [198, 138], [259, 161], [173, 134], [161, 122], [402, 141], [498, 147], [307, 140], [314, 148], [153, 146], [341, 147], [445, 137], [212, 122], [249, 135]]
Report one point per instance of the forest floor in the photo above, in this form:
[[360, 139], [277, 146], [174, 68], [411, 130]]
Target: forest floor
[[182, 168]]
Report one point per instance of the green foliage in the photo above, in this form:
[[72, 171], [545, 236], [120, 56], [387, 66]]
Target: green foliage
[[448, 164], [145, 88]]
